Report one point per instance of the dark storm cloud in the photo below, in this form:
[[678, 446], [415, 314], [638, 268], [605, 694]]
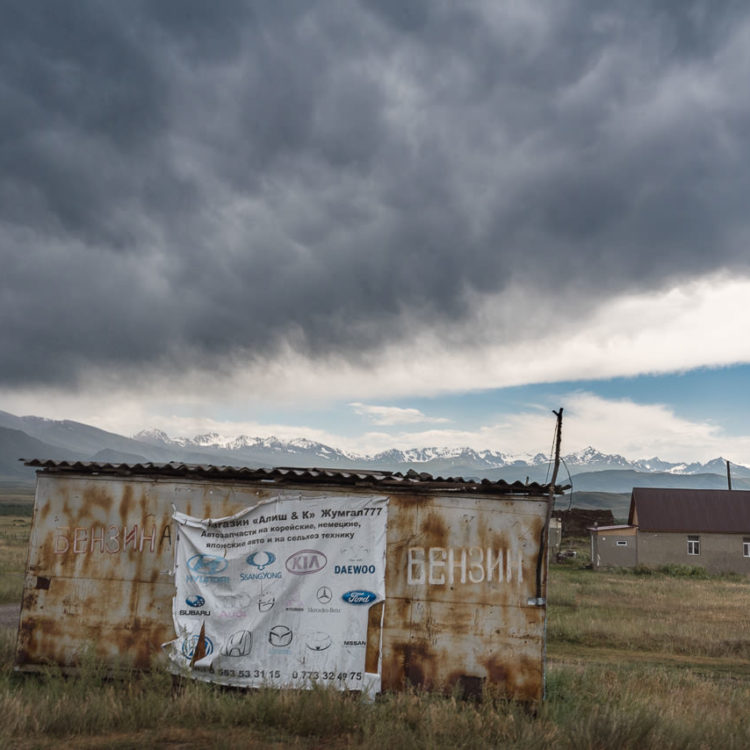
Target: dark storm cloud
[[182, 182]]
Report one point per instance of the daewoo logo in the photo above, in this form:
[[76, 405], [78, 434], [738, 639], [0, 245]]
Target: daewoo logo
[[208, 564], [195, 601], [359, 597], [306, 561], [261, 559]]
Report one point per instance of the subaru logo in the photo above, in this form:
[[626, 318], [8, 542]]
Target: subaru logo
[[306, 561], [261, 560], [359, 597], [195, 601], [189, 644], [280, 636], [208, 564], [238, 644]]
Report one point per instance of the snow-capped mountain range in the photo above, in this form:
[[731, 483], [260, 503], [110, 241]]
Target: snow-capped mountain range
[[588, 470], [589, 458]]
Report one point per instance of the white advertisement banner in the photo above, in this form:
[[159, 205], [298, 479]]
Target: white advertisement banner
[[279, 594]]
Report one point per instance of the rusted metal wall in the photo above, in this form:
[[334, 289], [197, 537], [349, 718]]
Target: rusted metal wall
[[460, 578]]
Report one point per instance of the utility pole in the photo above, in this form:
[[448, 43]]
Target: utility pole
[[544, 540], [729, 477]]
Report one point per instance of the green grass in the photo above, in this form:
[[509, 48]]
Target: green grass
[[634, 661], [14, 535], [593, 706]]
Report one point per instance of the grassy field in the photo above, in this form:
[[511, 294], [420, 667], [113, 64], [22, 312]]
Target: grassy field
[[634, 661]]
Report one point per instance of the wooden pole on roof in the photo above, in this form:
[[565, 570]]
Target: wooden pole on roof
[[729, 477], [558, 440], [544, 541]]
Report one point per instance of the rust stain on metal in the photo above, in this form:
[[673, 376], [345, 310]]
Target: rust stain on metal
[[460, 572], [372, 653]]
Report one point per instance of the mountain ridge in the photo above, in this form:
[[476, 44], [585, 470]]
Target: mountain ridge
[[588, 469]]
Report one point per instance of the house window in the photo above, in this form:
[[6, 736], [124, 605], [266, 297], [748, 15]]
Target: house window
[[624, 542], [694, 545], [746, 546]]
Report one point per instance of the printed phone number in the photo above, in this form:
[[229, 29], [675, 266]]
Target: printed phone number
[[275, 674]]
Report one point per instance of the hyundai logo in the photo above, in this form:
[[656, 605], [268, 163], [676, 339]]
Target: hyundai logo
[[359, 597], [280, 636], [238, 644], [189, 644], [260, 559], [208, 564], [195, 601], [306, 561]]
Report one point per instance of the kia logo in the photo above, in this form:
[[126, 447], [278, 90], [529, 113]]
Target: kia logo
[[280, 636], [359, 597], [306, 561], [189, 644], [210, 564], [261, 560], [238, 644], [195, 601]]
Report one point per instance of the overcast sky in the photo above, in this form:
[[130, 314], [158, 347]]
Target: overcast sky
[[366, 221]]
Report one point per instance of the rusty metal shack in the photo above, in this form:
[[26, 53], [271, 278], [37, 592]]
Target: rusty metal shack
[[466, 577]]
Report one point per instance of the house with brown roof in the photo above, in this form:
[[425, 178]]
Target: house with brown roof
[[709, 528]]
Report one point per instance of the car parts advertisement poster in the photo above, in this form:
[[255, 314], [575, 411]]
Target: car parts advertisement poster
[[279, 594]]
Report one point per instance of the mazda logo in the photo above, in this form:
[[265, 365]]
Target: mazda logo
[[280, 636]]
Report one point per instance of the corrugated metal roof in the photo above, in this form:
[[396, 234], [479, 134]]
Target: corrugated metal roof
[[412, 481], [709, 511]]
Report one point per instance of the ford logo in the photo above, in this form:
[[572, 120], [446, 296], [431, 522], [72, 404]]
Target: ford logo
[[306, 561], [195, 601], [208, 564], [359, 597], [261, 560]]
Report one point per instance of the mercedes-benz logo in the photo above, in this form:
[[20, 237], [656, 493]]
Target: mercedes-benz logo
[[324, 595]]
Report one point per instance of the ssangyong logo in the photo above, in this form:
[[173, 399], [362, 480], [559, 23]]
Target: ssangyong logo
[[194, 601], [359, 597], [189, 644], [306, 561], [207, 564], [260, 559]]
